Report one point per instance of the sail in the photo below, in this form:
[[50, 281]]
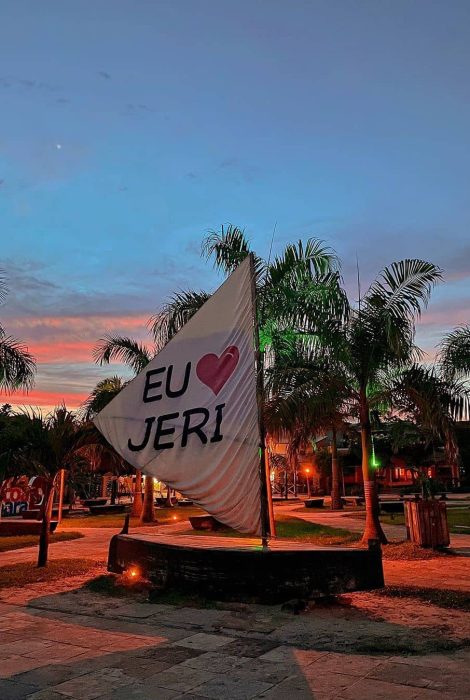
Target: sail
[[190, 418]]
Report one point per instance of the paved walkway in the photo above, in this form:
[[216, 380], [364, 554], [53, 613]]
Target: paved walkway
[[59, 641]]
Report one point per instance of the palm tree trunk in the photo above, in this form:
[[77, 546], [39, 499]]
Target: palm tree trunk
[[336, 502], [373, 529], [137, 502], [46, 526], [148, 510]]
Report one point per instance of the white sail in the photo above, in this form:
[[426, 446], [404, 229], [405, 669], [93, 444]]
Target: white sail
[[190, 418]]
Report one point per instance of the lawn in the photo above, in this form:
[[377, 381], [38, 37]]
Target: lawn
[[164, 516], [9, 542], [291, 528], [18, 575], [455, 516]]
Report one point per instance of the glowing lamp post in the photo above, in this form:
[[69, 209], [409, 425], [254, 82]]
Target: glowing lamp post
[[307, 472]]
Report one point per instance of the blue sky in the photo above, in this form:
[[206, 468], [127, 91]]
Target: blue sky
[[131, 127]]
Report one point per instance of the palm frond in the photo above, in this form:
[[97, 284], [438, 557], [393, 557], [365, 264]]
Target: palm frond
[[101, 395], [122, 349], [173, 316], [301, 261], [403, 288], [229, 247], [17, 365], [454, 353]]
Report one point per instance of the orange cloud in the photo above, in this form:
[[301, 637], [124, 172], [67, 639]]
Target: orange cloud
[[45, 399]]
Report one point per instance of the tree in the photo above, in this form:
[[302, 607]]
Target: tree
[[34, 444], [101, 395], [307, 395], [17, 365]]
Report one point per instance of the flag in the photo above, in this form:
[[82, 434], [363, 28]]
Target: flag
[[190, 418]]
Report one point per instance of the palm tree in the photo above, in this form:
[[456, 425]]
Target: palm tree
[[454, 355], [17, 365], [307, 395], [36, 444], [373, 339], [101, 395]]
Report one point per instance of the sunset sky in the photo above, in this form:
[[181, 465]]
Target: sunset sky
[[129, 128]]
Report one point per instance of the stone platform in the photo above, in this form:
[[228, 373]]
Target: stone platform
[[240, 569]]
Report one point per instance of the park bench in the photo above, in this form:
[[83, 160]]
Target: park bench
[[314, 502], [94, 502], [107, 509], [353, 500]]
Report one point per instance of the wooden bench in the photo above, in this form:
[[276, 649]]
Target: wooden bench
[[314, 502], [107, 509], [94, 502], [353, 500]]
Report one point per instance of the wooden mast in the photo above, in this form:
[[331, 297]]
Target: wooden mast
[[268, 527]]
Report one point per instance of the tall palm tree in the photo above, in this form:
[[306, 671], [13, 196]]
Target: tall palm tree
[[375, 338], [17, 365]]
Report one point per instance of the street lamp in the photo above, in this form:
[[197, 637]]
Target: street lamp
[[307, 472]]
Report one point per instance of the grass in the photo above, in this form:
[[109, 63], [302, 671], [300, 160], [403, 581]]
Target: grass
[[19, 575], [296, 529], [10, 542], [164, 516], [442, 598], [455, 516]]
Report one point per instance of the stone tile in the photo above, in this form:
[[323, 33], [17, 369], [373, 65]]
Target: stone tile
[[293, 688], [141, 668], [140, 691], [271, 672], [215, 662], [138, 610], [296, 657], [350, 664], [380, 690], [170, 654], [230, 687], [11, 690], [181, 678], [46, 694], [58, 653], [17, 664], [206, 642], [47, 675], [91, 685], [442, 679], [326, 683], [249, 647]]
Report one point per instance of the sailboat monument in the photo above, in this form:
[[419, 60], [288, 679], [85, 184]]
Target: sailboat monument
[[193, 419]]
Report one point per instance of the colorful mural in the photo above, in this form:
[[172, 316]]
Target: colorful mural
[[18, 493]]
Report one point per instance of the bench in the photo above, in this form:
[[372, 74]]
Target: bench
[[95, 502], [314, 502], [353, 500], [107, 509]]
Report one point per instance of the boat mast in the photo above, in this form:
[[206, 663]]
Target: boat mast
[[266, 502]]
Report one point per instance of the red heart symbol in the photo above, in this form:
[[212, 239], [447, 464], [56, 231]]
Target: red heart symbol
[[214, 371]]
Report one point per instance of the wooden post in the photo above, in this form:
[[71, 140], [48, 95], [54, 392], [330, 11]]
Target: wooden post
[[61, 495], [46, 526], [268, 527]]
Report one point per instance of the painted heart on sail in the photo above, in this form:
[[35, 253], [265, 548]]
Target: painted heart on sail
[[214, 371]]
